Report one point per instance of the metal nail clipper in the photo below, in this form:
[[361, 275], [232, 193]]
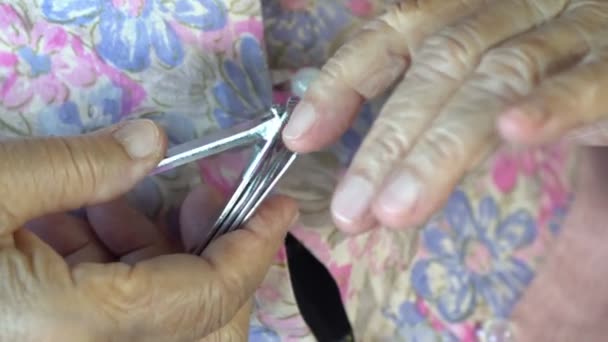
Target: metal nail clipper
[[269, 162]]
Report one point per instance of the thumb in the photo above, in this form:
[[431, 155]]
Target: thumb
[[45, 175], [189, 296], [235, 330]]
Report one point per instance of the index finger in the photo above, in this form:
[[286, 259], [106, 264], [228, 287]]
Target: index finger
[[186, 297]]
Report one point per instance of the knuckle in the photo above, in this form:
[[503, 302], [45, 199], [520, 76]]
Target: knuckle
[[487, 91], [406, 10], [128, 287], [381, 25], [587, 9], [271, 213], [72, 168], [414, 20], [9, 219], [418, 7], [440, 148], [223, 301], [20, 274], [409, 6], [187, 315], [403, 13], [209, 299], [119, 291], [517, 67], [566, 92], [386, 144], [78, 165], [334, 69], [548, 8], [367, 64], [448, 52], [371, 62]]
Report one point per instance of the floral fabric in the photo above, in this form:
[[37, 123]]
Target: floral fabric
[[72, 66]]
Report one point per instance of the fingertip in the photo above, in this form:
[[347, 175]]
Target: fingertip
[[262, 235], [277, 214], [519, 125], [62, 232], [367, 223], [400, 218], [244, 256], [141, 139], [302, 120], [402, 222], [326, 112]]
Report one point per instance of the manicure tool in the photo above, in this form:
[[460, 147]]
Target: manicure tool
[[270, 161]]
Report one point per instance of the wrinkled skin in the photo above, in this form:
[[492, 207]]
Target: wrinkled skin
[[117, 276], [466, 74], [535, 69]]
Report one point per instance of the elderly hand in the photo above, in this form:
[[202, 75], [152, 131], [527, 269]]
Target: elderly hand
[[110, 280], [541, 66]]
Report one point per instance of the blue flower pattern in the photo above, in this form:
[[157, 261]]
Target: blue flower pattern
[[412, 326], [246, 90], [558, 216], [104, 109], [448, 279], [39, 64], [129, 32], [259, 333], [304, 36]]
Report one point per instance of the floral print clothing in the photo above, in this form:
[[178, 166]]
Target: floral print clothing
[[73, 66]]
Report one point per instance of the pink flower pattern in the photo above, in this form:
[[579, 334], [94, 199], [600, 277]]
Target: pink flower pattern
[[545, 165], [222, 40], [39, 63], [361, 8], [341, 274]]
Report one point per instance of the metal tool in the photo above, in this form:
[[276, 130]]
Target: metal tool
[[270, 161]]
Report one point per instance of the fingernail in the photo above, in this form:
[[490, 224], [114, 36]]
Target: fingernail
[[400, 194], [301, 121], [352, 200], [302, 80], [139, 138]]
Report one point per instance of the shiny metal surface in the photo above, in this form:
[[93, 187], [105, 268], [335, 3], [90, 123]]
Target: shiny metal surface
[[271, 159]]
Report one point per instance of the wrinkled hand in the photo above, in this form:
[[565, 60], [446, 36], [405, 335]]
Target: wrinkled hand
[[109, 278], [534, 68]]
